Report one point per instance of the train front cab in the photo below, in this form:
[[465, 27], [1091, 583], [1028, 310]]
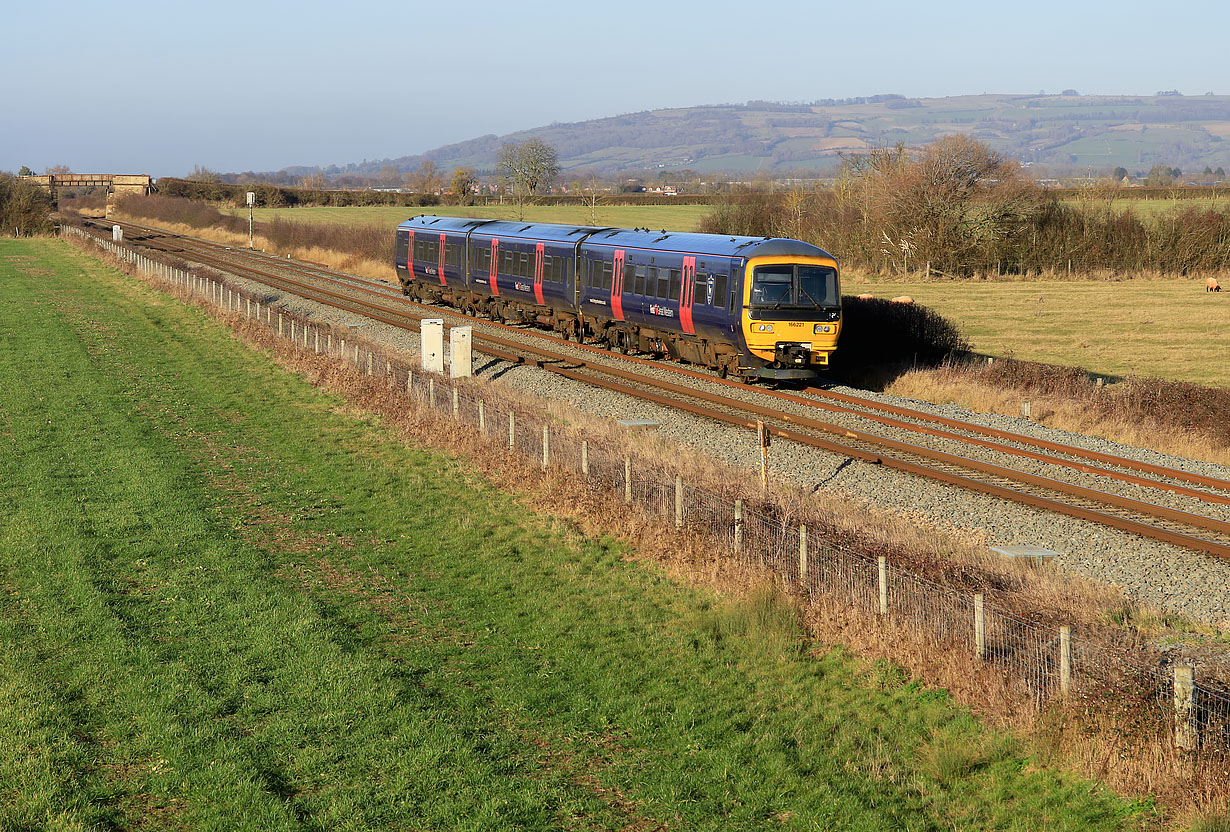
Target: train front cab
[[791, 315]]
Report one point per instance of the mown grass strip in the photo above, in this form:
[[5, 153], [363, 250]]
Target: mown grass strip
[[227, 601]]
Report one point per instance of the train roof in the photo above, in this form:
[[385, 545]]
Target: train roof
[[551, 232], [714, 245]]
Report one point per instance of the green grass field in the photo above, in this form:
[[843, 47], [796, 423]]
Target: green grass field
[[670, 217], [227, 602], [1172, 329]]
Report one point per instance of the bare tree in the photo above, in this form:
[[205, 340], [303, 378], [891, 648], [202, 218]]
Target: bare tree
[[426, 178], [590, 191], [58, 170], [200, 173], [526, 168], [389, 177]]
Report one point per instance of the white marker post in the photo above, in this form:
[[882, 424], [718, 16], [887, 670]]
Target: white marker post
[[431, 332]]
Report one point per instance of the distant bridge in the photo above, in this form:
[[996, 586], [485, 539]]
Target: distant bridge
[[117, 184]]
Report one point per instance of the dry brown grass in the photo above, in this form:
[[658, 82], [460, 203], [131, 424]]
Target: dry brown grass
[[1113, 412], [352, 263], [1106, 733]]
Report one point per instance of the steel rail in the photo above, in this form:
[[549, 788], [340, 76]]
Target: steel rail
[[547, 360]]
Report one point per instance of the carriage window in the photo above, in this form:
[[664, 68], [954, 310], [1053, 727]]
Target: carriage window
[[674, 287], [523, 262], [700, 288], [508, 262], [606, 274], [548, 267], [639, 281], [659, 282], [719, 289], [627, 284], [734, 296]]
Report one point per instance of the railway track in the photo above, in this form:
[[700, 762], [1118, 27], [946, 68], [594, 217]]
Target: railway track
[[385, 303]]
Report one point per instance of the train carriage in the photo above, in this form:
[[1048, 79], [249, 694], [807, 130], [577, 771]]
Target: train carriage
[[750, 306]]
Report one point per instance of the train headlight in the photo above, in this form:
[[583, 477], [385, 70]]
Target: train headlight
[[822, 329], [764, 327]]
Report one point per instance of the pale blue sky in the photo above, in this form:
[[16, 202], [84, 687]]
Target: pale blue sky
[[158, 87]]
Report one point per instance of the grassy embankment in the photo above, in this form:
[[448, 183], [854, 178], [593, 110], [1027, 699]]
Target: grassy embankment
[[212, 614]]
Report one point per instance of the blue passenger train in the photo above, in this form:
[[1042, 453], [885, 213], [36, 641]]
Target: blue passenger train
[[749, 307]]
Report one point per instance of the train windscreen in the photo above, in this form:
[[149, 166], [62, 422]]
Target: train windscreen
[[798, 286]]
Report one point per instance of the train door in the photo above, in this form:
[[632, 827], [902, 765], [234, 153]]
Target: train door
[[410, 257], [617, 286], [493, 274], [687, 295], [539, 251], [440, 259]]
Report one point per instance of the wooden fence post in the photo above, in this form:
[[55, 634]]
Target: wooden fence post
[[512, 430], [678, 501], [803, 554], [882, 582], [482, 417], [585, 457], [1065, 660], [627, 479], [1185, 736], [980, 627], [738, 527], [546, 446]]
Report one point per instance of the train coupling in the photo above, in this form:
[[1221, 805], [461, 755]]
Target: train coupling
[[791, 355]]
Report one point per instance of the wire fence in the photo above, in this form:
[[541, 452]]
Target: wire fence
[[1036, 663]]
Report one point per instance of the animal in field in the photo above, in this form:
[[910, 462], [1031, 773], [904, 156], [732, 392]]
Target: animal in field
[[902, 299], [1211, 285], [866, 296]]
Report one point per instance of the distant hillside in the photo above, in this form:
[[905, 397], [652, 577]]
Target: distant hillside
[[1062, 131]]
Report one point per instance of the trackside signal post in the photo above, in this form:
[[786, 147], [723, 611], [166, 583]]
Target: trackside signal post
[[251, 202]]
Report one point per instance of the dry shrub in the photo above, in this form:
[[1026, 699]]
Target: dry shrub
[[880, 339]]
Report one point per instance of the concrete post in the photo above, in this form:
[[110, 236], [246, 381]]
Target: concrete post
[[279, 324], [512, 430], [317, 342], [546, 446], [738, 527], [117, 233], [410, 381], [431, 331], [980, 627], [1065, 660], [371, 360], [1185, 736], [292, 330], [678, 501], [431, 392], [882, 580], [628, 480], [461, 364], [803, 554], [456, 404], [585, 457], [482, 417]]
